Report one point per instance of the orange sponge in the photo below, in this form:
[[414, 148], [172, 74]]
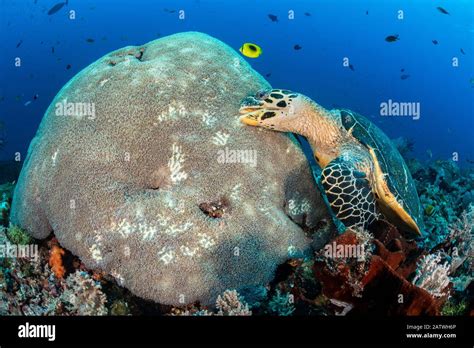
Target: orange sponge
[[56, 261]]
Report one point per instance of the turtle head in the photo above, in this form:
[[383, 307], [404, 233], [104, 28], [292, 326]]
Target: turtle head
[[275, 109]]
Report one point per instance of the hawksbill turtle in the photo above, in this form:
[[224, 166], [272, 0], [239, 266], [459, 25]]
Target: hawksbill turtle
[[363, 175]]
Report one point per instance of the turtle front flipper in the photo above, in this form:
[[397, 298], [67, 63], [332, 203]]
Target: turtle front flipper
[[349, 193]]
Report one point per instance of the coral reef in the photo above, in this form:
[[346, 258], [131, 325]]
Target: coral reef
[[281, 304], [152, 206], [444, 193], [377, 283], [231, 304], [433, 275], [28, 287], [17, 235], [83, 295], [142, 169], [6, 192]]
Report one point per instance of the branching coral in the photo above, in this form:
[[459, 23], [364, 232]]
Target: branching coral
[[230, 304], [83, 295], [281, 304], [433, 275]]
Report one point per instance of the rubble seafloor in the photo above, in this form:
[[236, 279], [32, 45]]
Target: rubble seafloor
[[396, 276]]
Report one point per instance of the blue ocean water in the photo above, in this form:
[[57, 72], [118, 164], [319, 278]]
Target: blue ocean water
[[437, 76]]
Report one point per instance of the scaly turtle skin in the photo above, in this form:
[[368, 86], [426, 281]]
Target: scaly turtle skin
[[363, 174]]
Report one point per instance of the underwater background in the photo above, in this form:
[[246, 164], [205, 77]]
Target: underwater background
[[411, 69]]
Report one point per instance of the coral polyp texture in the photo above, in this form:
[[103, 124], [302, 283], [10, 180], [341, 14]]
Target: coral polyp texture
[[142, 169]]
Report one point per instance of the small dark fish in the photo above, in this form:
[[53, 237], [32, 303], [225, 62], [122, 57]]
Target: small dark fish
[[351, 67], [42, 42], [89, 40], [307, 14], [68, 66], [404, 76], [268, 75], [469, 161], [435, 42], [392, 38], [402, 69], [169, 11], [19, 43], [36, 96], [366, 12], [273, 18], [56, 8], [2, 98], [462, 51], [52, 49], [297, 47], [442, 10]]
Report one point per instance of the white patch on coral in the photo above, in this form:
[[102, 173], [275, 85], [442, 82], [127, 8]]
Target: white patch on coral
[[264, 205], [103, 82], [126, 251], [166, 255], [298, 208], [147, 231], [172, 229], [292, 251], [187, 251], [95, 252], [54, 157], [173, 203], [220, 138], [95, 248], [235, 192], [124, 227], [175, 164], [208, 119], [126, 61], [118, 277], [178, 229], [175, 111], [206, 241]]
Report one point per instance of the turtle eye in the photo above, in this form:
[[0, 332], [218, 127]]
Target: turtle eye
[[250, 101], [262, 94]]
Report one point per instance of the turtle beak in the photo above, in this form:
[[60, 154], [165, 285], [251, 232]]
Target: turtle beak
[[251, 118]]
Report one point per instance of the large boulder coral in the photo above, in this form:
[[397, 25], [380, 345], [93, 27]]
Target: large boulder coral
[[141, 168]]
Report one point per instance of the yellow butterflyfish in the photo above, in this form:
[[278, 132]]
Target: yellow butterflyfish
[[250, 50]]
